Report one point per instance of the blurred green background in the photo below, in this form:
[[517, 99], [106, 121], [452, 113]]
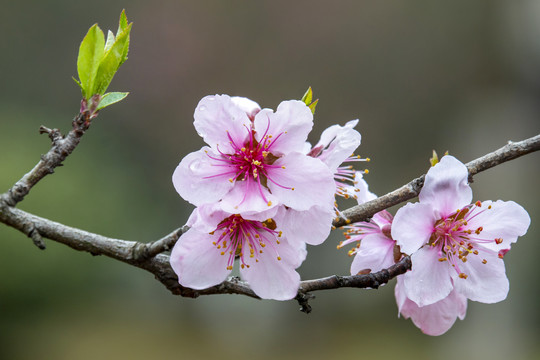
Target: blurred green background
[[420, 75]]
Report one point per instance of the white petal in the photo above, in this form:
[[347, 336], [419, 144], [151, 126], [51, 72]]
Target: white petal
[[429, 280], [271, 278], [505, 220], [338, 144], [311, 226], [197, 178], [485, 283], [218, 117], [312, 181], [446, 187], [197, 262], [376, 253], [412, 226]]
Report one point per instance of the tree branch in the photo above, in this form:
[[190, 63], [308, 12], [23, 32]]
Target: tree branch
[[411, 190], [148, 256]]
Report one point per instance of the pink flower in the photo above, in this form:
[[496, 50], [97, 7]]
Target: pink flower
[[336, 147], [204, 256], [254, 160], [455, 245], [434, 319], [375, 247]]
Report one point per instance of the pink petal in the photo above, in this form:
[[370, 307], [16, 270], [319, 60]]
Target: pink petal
[[292, 122], [429, 280], [505, 220], [246, 198], [434, 319], [205, 218], [338, 143], [271, 278], [311, 226], [197, 262], [195, 178], [446, 187], [250, 107], [312, 181], [217, 117], [363, 195], [413, 225], [485, 283], [376, 253]]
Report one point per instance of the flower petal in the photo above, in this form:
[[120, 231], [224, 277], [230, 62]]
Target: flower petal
[[197, 262], [246, 198], [413, 226], [197, 178], [289, 126], [250, 107], [205, 218], [217, 117], [485, 283], [505, 220], [376, 253], [446, 187], [429, 280], [271, 278], [339, 142], [434, 319], [312, 181], [311, 226]]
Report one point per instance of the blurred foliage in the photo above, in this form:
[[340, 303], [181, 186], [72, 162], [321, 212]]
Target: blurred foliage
[[421, 75]]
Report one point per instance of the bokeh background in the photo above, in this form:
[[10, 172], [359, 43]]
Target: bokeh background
[[420, 75]]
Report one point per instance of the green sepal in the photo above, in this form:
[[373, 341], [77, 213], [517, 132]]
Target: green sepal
[[434, 159], [313, 105], [90, 54], [308, 96], [111, 98]]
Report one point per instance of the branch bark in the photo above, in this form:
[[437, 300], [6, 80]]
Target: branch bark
[[149, 256]]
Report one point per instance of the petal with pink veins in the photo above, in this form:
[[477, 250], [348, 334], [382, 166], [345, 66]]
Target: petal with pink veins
[[312, 181], [446, 187], [216, 118], [246, 198], [197, 262], [289, 126], [200, 179], [413, 225]]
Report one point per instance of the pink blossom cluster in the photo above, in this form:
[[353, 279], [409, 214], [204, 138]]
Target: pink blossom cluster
[[456, 247], [261, 193]]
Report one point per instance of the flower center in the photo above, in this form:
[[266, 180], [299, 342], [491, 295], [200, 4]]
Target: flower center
[[237, 235], [456, 240], [251, 162]]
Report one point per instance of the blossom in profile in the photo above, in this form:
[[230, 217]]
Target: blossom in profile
[[336, 149], [455, 246], [254, 159], [205, 255]]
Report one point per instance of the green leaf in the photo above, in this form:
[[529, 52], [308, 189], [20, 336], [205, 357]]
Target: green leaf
[[90, 54], [78, 83], [434, 158], [112, 59], [122, 23], [111, 98], [308, 96]]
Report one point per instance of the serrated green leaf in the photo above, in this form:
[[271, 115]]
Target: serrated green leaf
[[110, 40], [308, 96], [90, 54], [111, 61], [313, 105], [123, 22], [111, 98]]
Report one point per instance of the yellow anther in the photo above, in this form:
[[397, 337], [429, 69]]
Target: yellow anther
[[269, 203], [279, 258], [462, 275], [366, 171], [484, 261], [283, 167], [243, 149], [230, 180], [223, 253]]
